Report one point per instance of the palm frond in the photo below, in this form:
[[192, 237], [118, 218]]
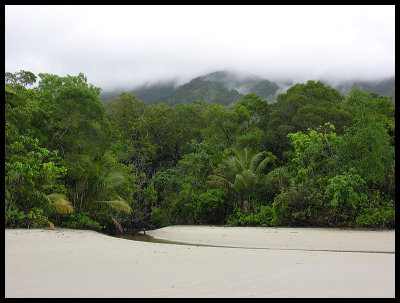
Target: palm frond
[[107, 182], [234, 165], [117, 225], [240, 157], [240, 182], [216, 180], [51, 225], [59, 203], [13, 177], [118, 205], [254, 160], [114, 179], [219, 181], [245, 180], [247, 157], [279, 176], [268, 159]]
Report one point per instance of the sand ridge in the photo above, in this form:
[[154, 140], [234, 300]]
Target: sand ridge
[[326, 239]]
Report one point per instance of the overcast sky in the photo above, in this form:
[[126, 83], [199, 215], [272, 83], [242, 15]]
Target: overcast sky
[[122, 46]]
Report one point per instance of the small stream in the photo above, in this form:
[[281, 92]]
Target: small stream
[[142, 237], [146, 238]]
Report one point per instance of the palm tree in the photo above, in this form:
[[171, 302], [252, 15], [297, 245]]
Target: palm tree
[[101, 191], [104, 188], [241, 172]]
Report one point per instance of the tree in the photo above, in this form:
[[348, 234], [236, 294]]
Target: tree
[[334, 178], [220, 125], [366, 146], [368, 141], [305, 106], [312, 163], [33, 173], [315, 155], [259, 110], [19, 80], [347, 194], [124, 114]]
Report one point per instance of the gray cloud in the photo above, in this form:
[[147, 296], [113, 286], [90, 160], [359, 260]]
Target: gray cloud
[[119, 46]]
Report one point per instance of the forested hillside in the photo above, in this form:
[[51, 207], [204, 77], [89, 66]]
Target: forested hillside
[[220, 87], [227, 88], [203, 91], [384, 87], [150, 93], [315, 157]]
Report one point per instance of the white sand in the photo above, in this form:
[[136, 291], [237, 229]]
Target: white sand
[[75, 263], [281, 238]]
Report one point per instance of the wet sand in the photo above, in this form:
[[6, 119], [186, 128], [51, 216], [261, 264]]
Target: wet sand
[[264, 262]]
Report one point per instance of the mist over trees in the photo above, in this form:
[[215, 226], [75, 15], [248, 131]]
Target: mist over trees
[[227, 88], [384, 87], [312, 157]]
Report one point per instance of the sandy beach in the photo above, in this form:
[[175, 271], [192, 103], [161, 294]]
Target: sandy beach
[[255, 262]]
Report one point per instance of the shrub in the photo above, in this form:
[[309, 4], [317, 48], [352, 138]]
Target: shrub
[[248, 218], [80, 220], [347, 192], [159, 218], [265, 215], [301, 205], [34, 218], [376, 212], [209, 206], [242, 218], [374, 217]]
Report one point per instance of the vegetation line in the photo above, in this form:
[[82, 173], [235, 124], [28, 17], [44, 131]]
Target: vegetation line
[[312, 157]]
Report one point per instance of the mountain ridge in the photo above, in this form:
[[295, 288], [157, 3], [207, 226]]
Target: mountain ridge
[[227, 88]]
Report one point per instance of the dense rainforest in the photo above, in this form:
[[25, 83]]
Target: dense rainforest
[[314, 157]]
